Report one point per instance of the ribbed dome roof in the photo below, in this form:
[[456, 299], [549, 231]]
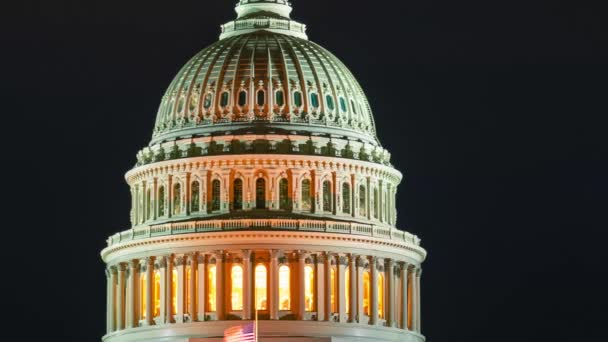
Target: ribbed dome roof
[[264, 76]]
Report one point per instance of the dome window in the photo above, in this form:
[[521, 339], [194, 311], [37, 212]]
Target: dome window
[[225, 99], [208, 101], [242, 98], [180, 106], [261, 98], [297, 98], [343, 104], [330, 102], [354, 108], [279, 99], [314, 100]]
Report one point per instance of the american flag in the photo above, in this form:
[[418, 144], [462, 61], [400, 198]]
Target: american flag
[[241, 333]]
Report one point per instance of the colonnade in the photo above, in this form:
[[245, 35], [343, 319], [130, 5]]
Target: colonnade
[[279, 284]]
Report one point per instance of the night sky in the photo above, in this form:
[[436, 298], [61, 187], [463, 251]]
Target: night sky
[[491, 109]]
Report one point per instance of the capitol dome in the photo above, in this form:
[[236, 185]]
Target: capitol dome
[[264, 193]]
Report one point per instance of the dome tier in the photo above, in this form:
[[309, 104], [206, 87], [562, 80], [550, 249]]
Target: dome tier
[[264, 82]]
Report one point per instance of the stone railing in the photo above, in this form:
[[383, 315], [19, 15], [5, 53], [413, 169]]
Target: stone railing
[[352, 228], [295, 28]]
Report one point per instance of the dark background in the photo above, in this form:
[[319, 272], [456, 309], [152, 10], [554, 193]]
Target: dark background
[[492, 109]]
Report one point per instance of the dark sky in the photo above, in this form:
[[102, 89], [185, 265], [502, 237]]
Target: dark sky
[[492, 110]]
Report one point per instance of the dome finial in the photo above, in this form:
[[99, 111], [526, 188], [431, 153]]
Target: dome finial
[[278, 7]]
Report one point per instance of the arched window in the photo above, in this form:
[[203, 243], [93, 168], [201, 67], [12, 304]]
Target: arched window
[[279, 98], [380, 294], [195, 196], [284, 288], [237, 288], [225, 99], [143, 285], [238, 194], [353, 107], [346, 198], [330, 102], [260, 193], [376, 204], [366, 292], [215, 195], [148, 205], [180, 105], [211, 288], [177, 199], [193, 103], [156, 293], [314, 100], [208, 101], [261, 96], [161, 201], [342, 104], [297, 98], [327, 196], [283, 194], [347, 289], [362, 201], [242, 98], [309, 288], [174, 291], [261, 288], [333, 284], [306, 195]]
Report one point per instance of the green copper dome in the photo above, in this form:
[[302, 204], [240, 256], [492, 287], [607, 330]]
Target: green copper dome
[[264, 76]]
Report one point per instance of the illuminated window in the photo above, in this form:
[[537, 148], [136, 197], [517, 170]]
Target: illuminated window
[[279, 98], [327, 196], [173, 291], [237, 288], [208, 100], [333, 286], [238, 194], [284, 288], [260, 193], [161, 201], [143, 284], [309, 288], [148, 205], [346, 198], [261, 287], [342, 104], [381, 295], [215, 195], [187, 290], [306, 195], [366, 292], [177, 199], [297, 98], [362, 201], [376, 203], [330, 102], [156, 293], [211, 289], [347, 289], [242, 98], [283, 194], [314, 100], [195, 197], [261, 96], [224, 99]]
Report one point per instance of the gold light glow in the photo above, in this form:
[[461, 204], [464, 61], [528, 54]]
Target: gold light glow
[[347, 290], [333, 290], [142, 287], [211, 281], [187, 290], [381, 295], [284, 290], [309, 286], [261, 287], [156, 293], [237, 288], [366, 292], [174, 291]]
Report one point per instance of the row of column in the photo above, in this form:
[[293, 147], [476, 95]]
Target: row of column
[[401, 300]]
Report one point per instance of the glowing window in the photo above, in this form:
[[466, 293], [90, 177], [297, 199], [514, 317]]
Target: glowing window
[[327, 196], [333, 286], [237, 288], [260, 193], [195, 196], [261, 96], [279, 98], [208, 100], [306, 195], [297, 98], [156, 293], [346, 198], [225, 99], [347, 289], [381, 295], [173, 291], [284, 288], [238, 194], [362, 201], [261, 287], [177, 199], [215, 195], [143, 285], [330, 102], [283, 194], [366, 292], [342, 104], [314, 100], [161, 201], [309, 288], [242, 98], [211, 289]]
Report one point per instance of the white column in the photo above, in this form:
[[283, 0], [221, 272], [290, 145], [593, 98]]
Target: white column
[[320, 293], [220, 303], [404, 285], [390, 303], [301, 285], [120, 297], [132, 317], [327, 287], [418, 298], [412, 299], [150, 291], [201, 298], [247, 284], [274, 284], [168, 303], [373, 319], [180, 262], [341, 293], [110, 292], [360, 271], [193, 266], [352, 288]]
